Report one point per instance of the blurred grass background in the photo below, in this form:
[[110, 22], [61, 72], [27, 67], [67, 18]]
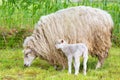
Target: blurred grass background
[[18, 17], [11, 68]]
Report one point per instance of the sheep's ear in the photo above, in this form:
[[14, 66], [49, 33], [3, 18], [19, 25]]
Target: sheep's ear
[[62, 41], [28, 51]]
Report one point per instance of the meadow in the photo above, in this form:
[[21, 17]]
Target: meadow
[[17, 20], [11, 68]]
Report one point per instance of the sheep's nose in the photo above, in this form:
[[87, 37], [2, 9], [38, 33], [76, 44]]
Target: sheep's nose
[[25, 65]]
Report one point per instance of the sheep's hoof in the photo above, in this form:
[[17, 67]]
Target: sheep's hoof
[[58, 68], [98, 65]]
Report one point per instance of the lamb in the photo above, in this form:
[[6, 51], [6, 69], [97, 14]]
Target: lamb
[[81, 24], [74, 51]]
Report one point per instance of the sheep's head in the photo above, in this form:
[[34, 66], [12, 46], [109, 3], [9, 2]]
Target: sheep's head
[[60, 43], [29, 53], [29, 56]]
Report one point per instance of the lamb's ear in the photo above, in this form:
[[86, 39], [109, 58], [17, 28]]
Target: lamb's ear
[[62, 41]]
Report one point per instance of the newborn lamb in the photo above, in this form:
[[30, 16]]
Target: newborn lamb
[[74, 51]]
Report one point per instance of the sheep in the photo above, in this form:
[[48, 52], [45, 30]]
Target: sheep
[[74, 51], [81, 24]]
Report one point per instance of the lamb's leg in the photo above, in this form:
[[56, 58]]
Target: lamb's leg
[[69, 64], [77, 64], [85, 65]]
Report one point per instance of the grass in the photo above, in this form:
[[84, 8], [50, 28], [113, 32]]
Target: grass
[[24, 14], [11, 68], [20, 14]]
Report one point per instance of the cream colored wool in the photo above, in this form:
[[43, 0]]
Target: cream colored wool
[[76, 25]]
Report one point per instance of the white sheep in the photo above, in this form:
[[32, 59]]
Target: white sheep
[[80, 24], [74, 51]]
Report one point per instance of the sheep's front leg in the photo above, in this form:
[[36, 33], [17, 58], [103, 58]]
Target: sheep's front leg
[[101, 59], [76, 64], [98, 65], [85, 65], [69, 64]]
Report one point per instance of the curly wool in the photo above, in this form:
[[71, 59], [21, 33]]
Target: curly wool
[[76, 25]]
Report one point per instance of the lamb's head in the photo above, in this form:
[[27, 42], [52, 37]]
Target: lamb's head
[[29, 53], [59, 44]]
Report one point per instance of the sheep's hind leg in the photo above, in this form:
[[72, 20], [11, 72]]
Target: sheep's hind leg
[[59, 68]]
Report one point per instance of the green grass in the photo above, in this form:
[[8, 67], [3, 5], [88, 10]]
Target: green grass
[[25, 13], [11, 68]]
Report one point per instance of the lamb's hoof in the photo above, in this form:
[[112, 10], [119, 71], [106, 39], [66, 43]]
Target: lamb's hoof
[[84, 73], [69, 72], [76, 74]]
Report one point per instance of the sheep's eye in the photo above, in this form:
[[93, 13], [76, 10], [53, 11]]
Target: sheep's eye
[[26, 55]]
